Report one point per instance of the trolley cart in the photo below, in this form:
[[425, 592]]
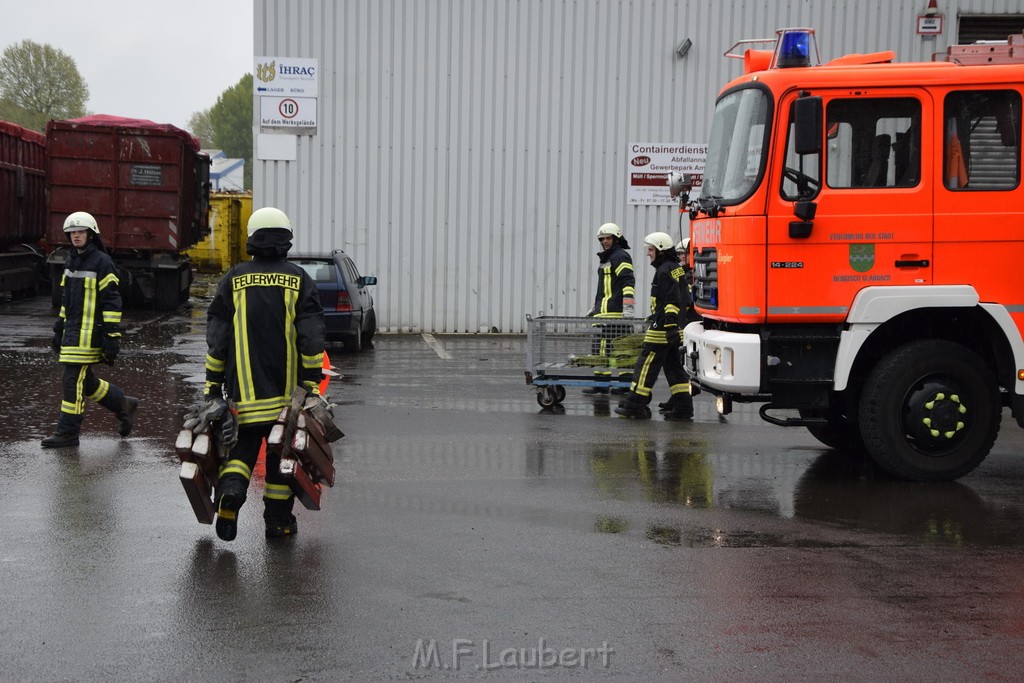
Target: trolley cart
[[567, 352]]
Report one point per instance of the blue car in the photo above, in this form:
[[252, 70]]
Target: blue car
[[345, 296]]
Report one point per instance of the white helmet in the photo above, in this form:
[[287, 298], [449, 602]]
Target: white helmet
[[268, 217], [661, 241], [683, 246], [80, 220], [609, 230]]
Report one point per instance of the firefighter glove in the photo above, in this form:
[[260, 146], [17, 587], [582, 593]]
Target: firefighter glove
[[111, 347], [228, 432], [323, 412], [201, 416], [316, 402], [627, 310]]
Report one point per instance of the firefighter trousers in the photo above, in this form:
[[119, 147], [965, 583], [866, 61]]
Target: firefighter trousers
[[277, 495], [653, 358], [80, 384]]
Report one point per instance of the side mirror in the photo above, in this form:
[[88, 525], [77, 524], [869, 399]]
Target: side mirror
[[367, 280], [678, 183], [807, 115]]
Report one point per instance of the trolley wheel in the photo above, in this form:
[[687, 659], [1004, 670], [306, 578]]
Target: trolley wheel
[[546, 397], [559, 393]]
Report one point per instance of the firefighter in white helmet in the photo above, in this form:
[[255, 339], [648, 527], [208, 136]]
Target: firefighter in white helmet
[[265, 336], [87, 331], [613, 301], [661, 343]]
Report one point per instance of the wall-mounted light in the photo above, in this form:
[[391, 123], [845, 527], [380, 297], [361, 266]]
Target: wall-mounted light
[[683, 47]]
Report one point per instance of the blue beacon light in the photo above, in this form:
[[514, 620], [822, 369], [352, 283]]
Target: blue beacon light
[[794, 49]]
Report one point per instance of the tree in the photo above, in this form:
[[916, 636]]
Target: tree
[[231, 120], [43, 81], [201, 126]]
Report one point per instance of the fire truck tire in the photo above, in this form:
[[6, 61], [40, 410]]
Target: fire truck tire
[[838, 434], [930, 411]]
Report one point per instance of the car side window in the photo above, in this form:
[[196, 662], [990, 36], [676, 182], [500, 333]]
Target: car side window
[[351, 273]]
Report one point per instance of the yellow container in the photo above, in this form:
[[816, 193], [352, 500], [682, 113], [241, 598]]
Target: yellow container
[[225, 245]]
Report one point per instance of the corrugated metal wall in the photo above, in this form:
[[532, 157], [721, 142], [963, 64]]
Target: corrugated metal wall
[[467, 150]]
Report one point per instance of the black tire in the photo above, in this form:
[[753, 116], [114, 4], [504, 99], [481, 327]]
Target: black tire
[[353, 343], [930, 411], [546, 397], [839, 433], [559, 393], [168, 290], [371, 329]]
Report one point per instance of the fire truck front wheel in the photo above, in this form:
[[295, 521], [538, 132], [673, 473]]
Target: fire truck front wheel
[[839, 433], [930, 411]]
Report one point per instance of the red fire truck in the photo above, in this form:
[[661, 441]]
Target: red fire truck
[[858, 250]]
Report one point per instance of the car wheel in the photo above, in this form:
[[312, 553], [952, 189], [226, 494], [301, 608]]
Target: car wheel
[[371, 329], [353, 343]]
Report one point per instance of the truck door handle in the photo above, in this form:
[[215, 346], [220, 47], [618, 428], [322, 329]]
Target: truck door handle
[[923, 263]]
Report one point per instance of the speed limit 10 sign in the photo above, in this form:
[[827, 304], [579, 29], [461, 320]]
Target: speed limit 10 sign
[[287, 112]]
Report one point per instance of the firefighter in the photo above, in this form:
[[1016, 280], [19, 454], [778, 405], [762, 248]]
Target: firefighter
[[265, 337], [687, 315], [661, 342], [87, 331], [614, 298]]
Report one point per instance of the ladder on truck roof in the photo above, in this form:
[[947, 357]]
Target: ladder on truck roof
[[1009, 51]]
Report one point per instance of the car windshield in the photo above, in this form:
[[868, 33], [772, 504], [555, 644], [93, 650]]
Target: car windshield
[[736, 148]]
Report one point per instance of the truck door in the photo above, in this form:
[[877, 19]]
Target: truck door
[[873, 211]]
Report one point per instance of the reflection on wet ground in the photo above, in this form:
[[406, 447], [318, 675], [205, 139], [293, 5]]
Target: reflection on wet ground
[[721, 546], [708, 465]]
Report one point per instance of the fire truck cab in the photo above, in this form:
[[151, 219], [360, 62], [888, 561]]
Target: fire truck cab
[[858, 250]]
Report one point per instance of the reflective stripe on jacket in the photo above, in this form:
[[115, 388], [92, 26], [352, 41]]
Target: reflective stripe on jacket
[[666, 300], [265, 333], [90, 305], [615, 281]]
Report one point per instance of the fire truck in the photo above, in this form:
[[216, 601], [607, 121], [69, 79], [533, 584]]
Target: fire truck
[[858, 250]]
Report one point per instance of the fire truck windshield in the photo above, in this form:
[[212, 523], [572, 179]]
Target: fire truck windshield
[[737, 147]]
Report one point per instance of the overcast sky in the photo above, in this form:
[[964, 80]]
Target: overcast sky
[[161, 60]]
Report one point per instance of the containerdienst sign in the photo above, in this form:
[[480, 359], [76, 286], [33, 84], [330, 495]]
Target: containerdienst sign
[[650, 163]]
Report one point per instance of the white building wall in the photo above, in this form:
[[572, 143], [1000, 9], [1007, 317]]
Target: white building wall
[[467, 150]]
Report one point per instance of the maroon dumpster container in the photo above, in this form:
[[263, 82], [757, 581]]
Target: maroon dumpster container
[[147, 185], [22, 207]]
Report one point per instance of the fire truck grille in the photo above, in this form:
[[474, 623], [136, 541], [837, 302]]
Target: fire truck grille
[[705, 278]]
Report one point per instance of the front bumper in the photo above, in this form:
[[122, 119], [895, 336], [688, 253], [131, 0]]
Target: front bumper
[[725, 362]]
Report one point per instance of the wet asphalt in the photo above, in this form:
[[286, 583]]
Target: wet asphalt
[[473, 535]]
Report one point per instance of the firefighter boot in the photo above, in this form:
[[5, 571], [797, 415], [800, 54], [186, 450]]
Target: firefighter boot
[[60, 440], [230, 498], [632, 406], [124, 416], [66, 433], [680, 407], [277, 514]]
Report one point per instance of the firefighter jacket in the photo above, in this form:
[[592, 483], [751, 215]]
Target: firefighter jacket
[[90, 305], [265, 336], [615, 281], [666, 299]]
